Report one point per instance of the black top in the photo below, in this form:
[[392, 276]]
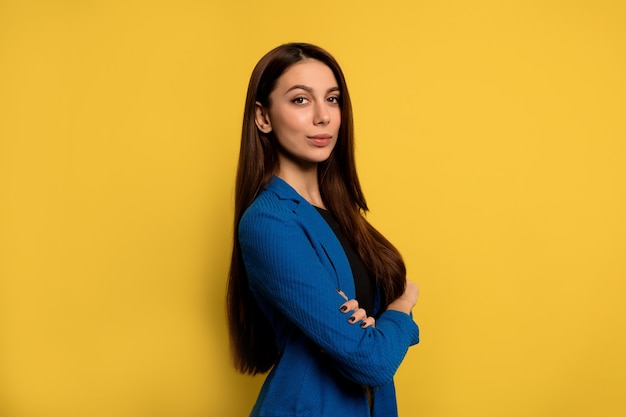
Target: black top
[[364, 284]]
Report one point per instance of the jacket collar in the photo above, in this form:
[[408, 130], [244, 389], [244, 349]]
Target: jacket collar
[[283, 190]]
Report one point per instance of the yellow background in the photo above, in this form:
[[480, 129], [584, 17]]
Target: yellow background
[[491, 147]]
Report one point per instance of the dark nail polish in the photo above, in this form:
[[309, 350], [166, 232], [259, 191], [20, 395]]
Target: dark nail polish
[[352, 319], [363, 324], [343, 309]]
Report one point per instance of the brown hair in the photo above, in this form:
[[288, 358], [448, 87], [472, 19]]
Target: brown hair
[[251, 336]]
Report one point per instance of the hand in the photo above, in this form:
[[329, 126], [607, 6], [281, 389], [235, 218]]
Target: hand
[[406, 301], [359, 313]]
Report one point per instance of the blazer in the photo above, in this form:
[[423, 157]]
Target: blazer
[[295, 266]]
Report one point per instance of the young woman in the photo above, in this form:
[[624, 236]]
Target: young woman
[[315, 293]]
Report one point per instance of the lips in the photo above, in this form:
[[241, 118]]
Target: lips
[[321, 139]]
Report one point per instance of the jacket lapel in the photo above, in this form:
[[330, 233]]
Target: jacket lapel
[[318, 229]]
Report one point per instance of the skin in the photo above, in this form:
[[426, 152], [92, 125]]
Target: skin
[[305, 115]]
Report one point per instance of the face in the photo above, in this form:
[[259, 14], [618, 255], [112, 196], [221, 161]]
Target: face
[[304, 113]]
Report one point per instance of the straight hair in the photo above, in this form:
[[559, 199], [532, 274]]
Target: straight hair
[[251, 336]]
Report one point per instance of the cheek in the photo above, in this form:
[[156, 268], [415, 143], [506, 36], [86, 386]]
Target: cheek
[[287, 121], [336, 115]]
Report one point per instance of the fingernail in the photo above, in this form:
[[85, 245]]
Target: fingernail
[[363, 324], [352, 319], [343, 309]]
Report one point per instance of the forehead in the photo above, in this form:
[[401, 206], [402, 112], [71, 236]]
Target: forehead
[[309, 72]]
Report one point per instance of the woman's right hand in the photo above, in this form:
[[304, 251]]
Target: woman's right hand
[[406, 301], [360, 315]]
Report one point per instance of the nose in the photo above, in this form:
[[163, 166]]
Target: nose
[[322, 116]]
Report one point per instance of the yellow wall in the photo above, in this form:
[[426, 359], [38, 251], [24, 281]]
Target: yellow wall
[[491, 146]]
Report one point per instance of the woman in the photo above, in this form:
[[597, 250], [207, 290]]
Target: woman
[[315, 293]]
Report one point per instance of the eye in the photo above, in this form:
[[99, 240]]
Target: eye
[[299, 100], [333, 99]]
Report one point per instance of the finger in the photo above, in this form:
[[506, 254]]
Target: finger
[[341, 293], [350, 305], [358, 315], [368, 322]]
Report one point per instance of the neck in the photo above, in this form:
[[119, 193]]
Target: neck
[[304, 181]]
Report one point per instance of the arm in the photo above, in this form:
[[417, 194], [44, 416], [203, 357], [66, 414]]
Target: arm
[[404, 303], [284, 268]]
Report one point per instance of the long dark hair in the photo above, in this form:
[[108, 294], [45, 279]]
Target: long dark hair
[[251, 336]]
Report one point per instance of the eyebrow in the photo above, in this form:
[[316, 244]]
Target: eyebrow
[[309, 89]]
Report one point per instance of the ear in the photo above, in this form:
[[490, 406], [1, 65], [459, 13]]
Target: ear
[[261, 118]]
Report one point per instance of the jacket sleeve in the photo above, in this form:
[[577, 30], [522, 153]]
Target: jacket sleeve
[[283, 268]]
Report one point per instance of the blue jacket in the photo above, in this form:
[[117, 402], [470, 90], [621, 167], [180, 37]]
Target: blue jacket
[[295, 265]]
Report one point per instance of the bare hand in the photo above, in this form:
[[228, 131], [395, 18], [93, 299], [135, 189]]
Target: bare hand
[[360, 315]]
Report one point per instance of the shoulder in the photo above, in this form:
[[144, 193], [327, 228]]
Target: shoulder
[[277, 203], [275, 196]]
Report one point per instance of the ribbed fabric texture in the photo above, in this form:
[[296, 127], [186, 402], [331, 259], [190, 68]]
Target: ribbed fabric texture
[[295, 265]]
